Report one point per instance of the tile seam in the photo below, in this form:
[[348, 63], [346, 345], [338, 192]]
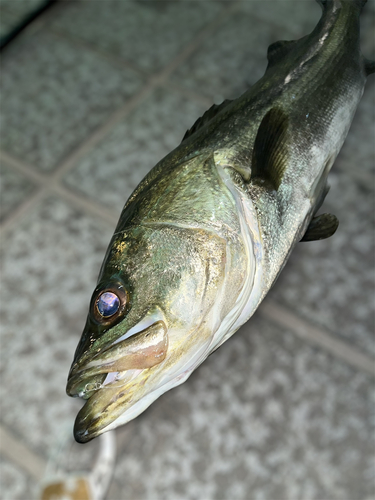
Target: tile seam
[[317, 336], [44, 188], [26, 169], [86, 205], [11, 221], [20, 454], [118, 61]]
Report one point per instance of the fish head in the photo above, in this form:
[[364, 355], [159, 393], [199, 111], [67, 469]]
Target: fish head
[[144, 334]]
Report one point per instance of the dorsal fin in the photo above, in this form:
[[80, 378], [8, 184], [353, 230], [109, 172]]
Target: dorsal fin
[[321, 227], [270, 153], [278, 50], [206, 117]]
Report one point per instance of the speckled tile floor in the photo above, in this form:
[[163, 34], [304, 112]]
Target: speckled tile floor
[[94, 94]]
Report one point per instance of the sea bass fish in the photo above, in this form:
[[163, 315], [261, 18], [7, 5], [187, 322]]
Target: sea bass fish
[[204, 236]]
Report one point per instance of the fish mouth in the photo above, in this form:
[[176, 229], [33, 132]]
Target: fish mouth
[[109, 379]]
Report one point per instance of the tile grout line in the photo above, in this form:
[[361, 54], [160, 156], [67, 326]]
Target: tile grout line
[[113, 59], [81, 202], [24, 168], [318, 336], [17, 214], [42, 190], [21, 455]]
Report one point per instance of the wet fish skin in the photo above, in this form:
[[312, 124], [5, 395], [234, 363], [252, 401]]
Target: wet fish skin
[[204, 236]]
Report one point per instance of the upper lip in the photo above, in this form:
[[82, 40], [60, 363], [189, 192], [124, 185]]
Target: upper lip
[[141, 351]]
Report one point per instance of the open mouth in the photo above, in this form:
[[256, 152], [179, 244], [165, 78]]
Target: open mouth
[[108, 379]]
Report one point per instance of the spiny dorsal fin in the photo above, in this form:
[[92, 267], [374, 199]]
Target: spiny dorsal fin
[[270, 153], [206, 117], [321, 227], [278, 50]]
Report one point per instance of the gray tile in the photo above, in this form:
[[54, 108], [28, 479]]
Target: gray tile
[[111, 171], [367, 30], [8, 21], [297, 17], [49, 268], [266, 417], [230, 60], [331, 282], [14, 189], [115, 491], [358, 152], [21, 7], [15, 483], [148, 33], [56, 95], [14, 12]]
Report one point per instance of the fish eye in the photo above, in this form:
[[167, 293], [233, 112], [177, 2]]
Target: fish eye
[[108, 304]]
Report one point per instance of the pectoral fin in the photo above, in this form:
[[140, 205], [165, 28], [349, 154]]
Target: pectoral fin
[[271, 151], [321, 227]]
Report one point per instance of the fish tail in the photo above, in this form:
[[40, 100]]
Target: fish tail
[[326, 3]]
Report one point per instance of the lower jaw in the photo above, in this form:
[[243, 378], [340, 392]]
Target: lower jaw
[[106, 404]]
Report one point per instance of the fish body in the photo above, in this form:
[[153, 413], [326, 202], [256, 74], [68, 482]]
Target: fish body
[[204, 236]]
